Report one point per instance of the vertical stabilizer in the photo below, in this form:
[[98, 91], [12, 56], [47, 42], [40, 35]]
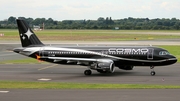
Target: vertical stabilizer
[[27, 36]]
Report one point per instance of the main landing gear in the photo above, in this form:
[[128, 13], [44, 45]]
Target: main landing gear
[[87, 72], [152, 72]]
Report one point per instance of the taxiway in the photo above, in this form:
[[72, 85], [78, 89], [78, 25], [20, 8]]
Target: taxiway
[[65, 73]]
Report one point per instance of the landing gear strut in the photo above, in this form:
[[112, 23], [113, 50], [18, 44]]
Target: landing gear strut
[[87, 72], [152, 72]]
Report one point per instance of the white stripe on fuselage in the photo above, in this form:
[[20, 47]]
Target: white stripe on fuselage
[[35, 49]]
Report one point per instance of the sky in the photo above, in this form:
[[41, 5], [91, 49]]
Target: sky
[[89, 9]]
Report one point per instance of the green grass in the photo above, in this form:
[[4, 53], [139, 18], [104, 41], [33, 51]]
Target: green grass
[[57, 85], [22, 61], [95, 35]]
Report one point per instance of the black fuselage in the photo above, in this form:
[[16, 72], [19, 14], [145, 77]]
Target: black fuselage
[[121, 55]]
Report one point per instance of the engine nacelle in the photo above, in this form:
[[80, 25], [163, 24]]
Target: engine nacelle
[[104, 65], [126, 67]]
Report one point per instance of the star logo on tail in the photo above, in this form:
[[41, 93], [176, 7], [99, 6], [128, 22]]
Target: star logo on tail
[[28, 34]]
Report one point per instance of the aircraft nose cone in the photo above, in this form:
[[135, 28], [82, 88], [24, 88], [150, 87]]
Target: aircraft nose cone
[[173, 59]]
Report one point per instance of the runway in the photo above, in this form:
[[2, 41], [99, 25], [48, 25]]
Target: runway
[[91, 95]]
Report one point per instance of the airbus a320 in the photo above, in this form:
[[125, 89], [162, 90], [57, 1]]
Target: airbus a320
[[103, 59]]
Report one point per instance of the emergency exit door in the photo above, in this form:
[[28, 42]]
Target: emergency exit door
[[150, 53]]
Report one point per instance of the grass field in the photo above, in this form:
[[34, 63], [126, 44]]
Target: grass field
[[95, 35], [57, 85]]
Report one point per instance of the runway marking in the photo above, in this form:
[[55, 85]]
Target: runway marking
[[43, 79], [48, 67], [4, 91]]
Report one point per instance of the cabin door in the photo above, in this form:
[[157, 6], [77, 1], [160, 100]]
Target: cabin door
[[150, 53]]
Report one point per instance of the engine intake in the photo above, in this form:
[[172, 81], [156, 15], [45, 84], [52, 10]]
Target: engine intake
[[104, 65]]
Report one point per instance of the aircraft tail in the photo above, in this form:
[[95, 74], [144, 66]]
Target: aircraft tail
[[27, 36]]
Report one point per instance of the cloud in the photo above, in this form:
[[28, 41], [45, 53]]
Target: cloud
[[170, 6], [89, 9]]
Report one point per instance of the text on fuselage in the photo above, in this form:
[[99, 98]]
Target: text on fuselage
[[128, 50]]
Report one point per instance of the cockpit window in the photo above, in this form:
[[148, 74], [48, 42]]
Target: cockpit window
[[164, 53]]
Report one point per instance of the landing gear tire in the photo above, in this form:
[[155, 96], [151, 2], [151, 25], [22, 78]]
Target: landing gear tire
[[87, 72], [153, 73]]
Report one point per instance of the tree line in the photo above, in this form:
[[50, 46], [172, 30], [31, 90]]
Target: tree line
[[129, 23]]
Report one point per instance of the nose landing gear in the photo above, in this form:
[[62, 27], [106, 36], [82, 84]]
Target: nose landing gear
[[152, 72]]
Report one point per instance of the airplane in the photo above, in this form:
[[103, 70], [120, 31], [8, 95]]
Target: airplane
[[103, 59]]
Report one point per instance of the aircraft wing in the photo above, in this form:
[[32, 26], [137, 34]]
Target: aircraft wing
[[102, 62], [57, 59]]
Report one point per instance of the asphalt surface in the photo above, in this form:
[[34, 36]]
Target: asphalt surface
[[166, 75], [91, 95], [64, 73]]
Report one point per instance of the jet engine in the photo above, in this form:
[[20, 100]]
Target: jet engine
[[103, 66]]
